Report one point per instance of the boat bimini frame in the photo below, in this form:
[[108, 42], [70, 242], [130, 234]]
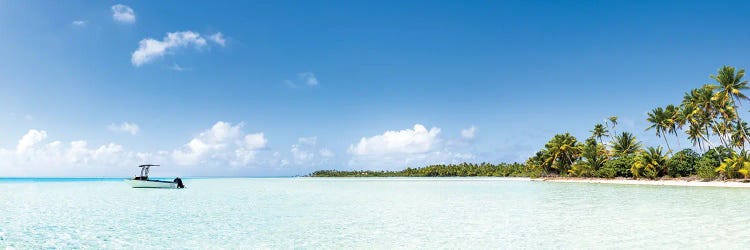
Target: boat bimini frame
[[144, 172]]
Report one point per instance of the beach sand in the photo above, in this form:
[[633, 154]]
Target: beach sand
[[691, 182]]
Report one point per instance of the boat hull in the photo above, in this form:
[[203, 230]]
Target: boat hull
[[150, 184]]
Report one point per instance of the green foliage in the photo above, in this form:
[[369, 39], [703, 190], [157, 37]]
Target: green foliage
[[718, 154], [683, 163], [562, 151], [663, 121], [735, 165], [594, 155], [625, 144], [709, 161], [607, 171], [599, 132], [621, 165], [537, 165], [582, 169], [706, 169], [649, 163], [463, 169]]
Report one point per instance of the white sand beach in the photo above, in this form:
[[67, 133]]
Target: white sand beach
[[667, 182]]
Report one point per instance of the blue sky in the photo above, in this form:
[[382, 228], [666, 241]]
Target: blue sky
[[288, 87]]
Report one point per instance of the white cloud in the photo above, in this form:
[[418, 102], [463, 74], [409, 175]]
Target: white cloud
[[150, 49], [125, 127], [224, 144], [407, 141], [223, 141], [79, 23], [469, 133], [123, 14], [307, 78], [218, 38], [30, 139], [415, 147], [28, 117]]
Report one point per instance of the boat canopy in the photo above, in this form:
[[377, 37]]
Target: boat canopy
[[144, 170]]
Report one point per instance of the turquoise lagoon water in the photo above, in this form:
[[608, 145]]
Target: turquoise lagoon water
[[369, 213]]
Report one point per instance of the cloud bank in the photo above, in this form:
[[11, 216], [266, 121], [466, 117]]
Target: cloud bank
[[35, 156], [225, 148]]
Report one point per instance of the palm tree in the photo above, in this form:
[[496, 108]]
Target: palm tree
[[695, 134], [593, 157], [599, 131], [730, 87], [625, 144], [538, 162], [595, 154], [562, 151], [739, 134], [672, 121], [658, 119], [613, 121], [699, 105], [650, 163]]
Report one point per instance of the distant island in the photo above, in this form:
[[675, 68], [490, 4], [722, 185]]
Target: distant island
[[708, 116]]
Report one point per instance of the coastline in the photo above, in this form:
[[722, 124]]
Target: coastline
[[683, 182], [686, 182]]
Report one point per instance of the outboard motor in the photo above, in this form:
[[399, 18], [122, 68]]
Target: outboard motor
[[179, 182]]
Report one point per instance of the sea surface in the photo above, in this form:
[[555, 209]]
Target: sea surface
[[371, 213]]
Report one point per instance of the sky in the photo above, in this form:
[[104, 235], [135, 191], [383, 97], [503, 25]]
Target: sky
[[279, 88]]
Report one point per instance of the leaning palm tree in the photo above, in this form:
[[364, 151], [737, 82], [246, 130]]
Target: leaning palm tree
[[599, 131], [730, 87], [625, 144], [703, 114], [739, 134], [695, 134]]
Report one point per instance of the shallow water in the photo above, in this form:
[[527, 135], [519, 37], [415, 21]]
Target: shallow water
[[370, 213]]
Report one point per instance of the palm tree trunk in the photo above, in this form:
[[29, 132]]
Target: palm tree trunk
[[668, 148], [739, 120]]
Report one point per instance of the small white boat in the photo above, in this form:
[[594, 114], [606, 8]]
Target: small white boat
[[143, 181]]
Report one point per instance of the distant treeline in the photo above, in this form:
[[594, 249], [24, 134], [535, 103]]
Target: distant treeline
[[463, 169]]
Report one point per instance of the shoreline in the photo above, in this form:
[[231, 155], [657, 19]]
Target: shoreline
[[685, 182], [678, 182]]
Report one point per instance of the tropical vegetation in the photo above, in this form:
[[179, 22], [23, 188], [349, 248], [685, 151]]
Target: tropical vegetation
[[708, 117]]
